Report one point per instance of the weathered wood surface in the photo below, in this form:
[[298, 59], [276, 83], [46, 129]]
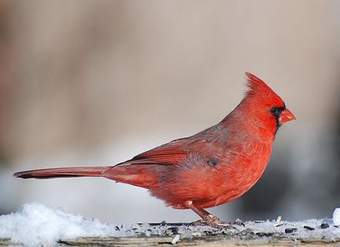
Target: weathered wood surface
[[262, 233], [202, 241], [208, 241]]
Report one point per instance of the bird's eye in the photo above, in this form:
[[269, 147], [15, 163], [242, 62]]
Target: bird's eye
[[276, 111]]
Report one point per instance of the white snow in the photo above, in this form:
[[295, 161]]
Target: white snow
[[336, 217], [37, 224]]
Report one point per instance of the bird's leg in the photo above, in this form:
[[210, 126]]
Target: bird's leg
[[207, 217]]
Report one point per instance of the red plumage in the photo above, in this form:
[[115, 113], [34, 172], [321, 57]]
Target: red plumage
[[210, 168]]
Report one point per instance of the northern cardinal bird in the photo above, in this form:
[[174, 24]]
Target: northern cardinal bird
[[212, 167]]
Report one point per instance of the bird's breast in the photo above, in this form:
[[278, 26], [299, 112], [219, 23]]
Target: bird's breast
[[242, 168]]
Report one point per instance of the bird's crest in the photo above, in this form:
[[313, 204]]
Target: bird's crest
[[258, 87]]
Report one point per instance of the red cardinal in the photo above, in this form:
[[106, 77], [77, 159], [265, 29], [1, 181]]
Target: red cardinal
[[212, 167]]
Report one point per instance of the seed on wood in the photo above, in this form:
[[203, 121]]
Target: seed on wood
[[265, 234], [173, 230], [324, 225], [290, 230], [309, 228]]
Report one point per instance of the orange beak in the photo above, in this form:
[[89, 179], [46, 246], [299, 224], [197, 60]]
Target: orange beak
[[286, 116]]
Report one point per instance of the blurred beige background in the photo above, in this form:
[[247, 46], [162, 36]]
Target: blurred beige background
[[95, 82]]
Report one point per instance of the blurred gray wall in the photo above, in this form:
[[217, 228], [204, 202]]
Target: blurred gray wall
[[96, 82]]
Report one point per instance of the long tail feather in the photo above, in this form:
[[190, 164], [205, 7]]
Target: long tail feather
[[63, 172]]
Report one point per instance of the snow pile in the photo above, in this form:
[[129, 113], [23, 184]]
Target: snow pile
[[336, 217], [37, 225]]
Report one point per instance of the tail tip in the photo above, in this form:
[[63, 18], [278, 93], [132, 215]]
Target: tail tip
[[21, 175]]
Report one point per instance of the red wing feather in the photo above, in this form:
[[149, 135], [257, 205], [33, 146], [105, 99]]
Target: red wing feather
[[145, 169], [168, 154]]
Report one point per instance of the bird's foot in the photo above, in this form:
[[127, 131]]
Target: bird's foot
[[212, 221], [199, 223]]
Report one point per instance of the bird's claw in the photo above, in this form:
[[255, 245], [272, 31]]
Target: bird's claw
[[211, 221]]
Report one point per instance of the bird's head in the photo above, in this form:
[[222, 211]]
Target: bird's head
[[265, 104]]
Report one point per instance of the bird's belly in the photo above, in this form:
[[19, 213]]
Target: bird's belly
[[210, 186], [240, 176]]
